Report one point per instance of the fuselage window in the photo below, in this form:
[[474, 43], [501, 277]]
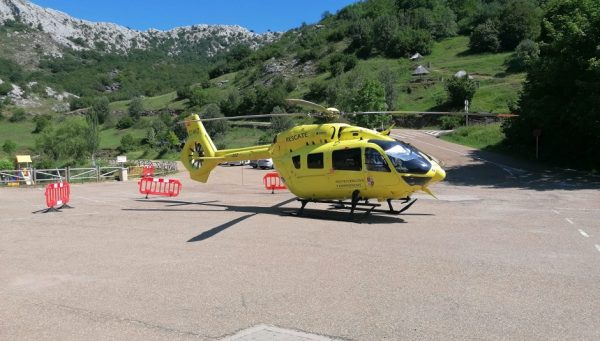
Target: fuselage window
[[314, 160], [347, 159], [296, 161], [375, 161]]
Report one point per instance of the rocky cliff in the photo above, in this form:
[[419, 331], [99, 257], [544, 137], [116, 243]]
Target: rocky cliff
[[66, 31]]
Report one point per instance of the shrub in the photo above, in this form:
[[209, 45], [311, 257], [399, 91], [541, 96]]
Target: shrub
[[41, 122], [127, 143], [450, 122], [135, 108], [125, 122], [485, 38], [6, 164], [460, 89], [526, 53], [9, 147], [18, 116], [5, 88]]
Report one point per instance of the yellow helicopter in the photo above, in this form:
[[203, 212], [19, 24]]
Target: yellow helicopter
[[327, 163]]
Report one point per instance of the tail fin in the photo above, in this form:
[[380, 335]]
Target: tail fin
[[198, 154]]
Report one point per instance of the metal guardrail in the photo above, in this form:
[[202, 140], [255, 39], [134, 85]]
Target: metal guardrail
[[48, 175], [39, 176], [82, 174]]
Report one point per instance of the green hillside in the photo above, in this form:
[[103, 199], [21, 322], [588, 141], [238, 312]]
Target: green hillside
[[139, 100]]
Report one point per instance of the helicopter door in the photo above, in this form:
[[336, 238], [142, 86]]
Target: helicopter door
[[347, 171], [380, 179]]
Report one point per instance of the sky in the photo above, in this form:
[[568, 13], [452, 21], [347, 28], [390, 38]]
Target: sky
[[257, 15]]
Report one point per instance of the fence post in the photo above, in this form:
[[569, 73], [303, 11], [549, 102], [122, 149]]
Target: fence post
[[34, 176], [68, 175], [97, 173]]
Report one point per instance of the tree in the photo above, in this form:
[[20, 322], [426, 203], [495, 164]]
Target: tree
[[485, 38], [214, 128], [151, 139], [526, 53], [101, 108], [519, 20], [229, 106], [388, 79], [384, 30], [280, 123], [125, 122], [67, 142], [561, 95], [172, 141], [460, 89], [135, 108], [9, 147], [93, 134], [41, 122], [198, 98], [18, 115], [371, 97], [127, 143]]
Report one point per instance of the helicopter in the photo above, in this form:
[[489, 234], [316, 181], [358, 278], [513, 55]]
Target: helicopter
[[326, 163]]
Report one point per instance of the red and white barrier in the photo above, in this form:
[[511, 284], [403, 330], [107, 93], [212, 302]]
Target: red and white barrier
[[273, 182], [148, 171], [57, 194], [159, 186]]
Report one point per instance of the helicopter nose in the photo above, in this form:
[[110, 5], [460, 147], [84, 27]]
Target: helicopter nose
[[439, 174]]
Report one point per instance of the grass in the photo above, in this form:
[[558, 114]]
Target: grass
[[111, 138], [477, 136], [18, 132], [238, 137], [168, 100], [496, 87]]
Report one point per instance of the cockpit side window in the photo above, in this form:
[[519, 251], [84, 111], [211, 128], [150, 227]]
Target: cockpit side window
[[374, 161], [314, 160], [404, 157], [347, 159], [296, 161]]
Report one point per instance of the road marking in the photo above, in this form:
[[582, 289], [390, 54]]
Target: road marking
[[598, 247], [570, 221], [582, 232], [555, 211]]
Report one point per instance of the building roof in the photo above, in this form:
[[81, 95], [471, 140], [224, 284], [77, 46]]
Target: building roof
[[416, 56], [420, 70], [24, 159]]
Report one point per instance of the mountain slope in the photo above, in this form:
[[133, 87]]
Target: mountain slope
[[77, 34]]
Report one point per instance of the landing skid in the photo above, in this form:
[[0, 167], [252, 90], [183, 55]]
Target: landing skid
[[358, 204]]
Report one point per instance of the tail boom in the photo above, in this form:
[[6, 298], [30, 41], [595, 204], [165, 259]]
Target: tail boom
[[200, 156]]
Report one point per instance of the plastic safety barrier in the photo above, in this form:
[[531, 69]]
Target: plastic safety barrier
[[273, 182], [147, 171], [159, 186], [57, 194]]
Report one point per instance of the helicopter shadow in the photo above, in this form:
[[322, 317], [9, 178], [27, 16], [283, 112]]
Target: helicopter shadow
[[251, 211]]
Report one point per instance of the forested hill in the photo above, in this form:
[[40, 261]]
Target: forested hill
[[371, 41]]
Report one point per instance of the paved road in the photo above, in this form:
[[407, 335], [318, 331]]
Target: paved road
[[509, 251]]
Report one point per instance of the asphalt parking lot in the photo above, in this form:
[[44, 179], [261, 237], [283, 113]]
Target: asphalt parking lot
[[508, 251]]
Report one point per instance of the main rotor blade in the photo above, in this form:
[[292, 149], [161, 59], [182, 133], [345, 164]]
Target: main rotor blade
[[225, 118], [480, 114], [308, 104]]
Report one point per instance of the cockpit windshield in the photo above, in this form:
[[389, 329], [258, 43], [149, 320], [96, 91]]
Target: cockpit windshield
[[404, 157]]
